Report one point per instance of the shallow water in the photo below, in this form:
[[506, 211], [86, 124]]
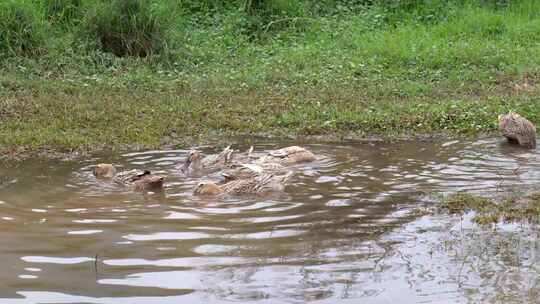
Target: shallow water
[[345, 229]]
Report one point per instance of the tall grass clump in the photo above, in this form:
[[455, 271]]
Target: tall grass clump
[[62, 11], [208, 6], [271, 16], [22, 30], [128, 27]]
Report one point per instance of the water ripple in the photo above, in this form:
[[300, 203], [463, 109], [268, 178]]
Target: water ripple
[[330, 238]]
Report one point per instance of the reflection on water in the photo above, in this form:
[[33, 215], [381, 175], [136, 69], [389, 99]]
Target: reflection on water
[[343, 230]]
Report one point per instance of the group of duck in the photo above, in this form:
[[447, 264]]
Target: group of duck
[[242, 173]]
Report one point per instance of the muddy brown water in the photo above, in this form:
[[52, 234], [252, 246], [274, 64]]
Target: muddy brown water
[[345, 230]]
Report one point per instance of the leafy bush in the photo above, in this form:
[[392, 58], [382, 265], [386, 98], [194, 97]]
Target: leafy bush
[[21, 29], [128, 27]]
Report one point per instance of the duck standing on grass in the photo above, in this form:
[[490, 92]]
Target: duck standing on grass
[[518, 129], [139, 180], [261, 184]]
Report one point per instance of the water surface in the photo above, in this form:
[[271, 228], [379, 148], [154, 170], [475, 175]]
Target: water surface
[[346, 229]]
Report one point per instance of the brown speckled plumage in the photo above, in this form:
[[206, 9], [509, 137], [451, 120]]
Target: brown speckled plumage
[[139, 179], [244, 171], [258, 185], [288, 156], [195, 162], [518, 129]]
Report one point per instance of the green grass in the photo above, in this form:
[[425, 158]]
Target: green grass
[[72, 117], [213, 69]]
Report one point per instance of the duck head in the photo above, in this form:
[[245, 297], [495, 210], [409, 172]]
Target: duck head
[[104, 171], [207, 189], [507, 119], [193, 160]]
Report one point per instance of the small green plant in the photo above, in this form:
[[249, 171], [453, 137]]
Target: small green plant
[[464, 202], [62, 11], [488, 211], [128, 27], [21, 29]]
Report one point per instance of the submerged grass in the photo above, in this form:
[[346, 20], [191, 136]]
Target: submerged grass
[[145, 72], [489, 211]]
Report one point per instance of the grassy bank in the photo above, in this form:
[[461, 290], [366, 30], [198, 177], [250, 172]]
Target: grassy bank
[[191, 71]]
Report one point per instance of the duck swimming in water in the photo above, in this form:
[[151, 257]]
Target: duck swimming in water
[[104, 171], [196, 162], [288, 156], [518, 129], [244, 171], [257, 185], [140, 180]]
